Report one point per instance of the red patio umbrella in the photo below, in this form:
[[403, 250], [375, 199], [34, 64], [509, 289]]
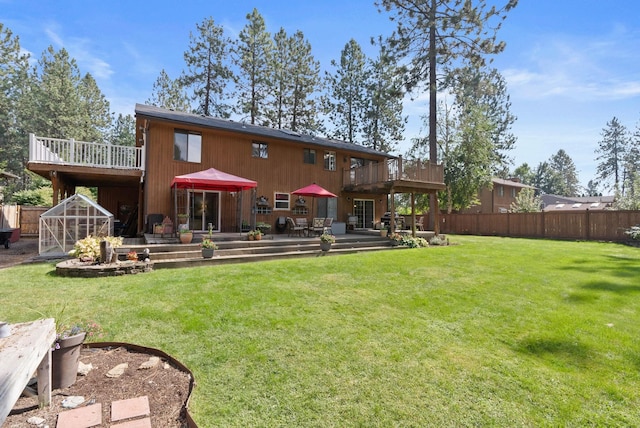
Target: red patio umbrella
[[314, 191]]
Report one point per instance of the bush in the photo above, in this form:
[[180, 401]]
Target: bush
[[633, 232], [88, 249]]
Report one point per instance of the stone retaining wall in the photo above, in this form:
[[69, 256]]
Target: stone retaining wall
[[77, 269]]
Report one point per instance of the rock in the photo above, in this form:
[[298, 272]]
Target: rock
[[118, 370], [84, 369], [72, 401], [152, 362], [34, 420]]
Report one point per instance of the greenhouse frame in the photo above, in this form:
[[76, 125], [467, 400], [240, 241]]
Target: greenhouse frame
[[72, 219]]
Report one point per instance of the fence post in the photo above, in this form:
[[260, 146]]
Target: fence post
[[588, 224]]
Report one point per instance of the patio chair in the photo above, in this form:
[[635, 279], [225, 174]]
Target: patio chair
[[317, 226], [420, 223], [326, 227], [293, 228]]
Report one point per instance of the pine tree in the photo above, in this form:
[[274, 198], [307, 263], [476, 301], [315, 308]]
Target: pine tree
[[612, 150], [95, 111], [169, 94], [524, 173], [123, 131], [566, 175], [305, 81], [281, 63], [437, 33], [383, 120], [345, 103], [253, 51], [209, 72], [14, 83]]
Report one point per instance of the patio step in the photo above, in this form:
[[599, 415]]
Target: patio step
[[238, 251]]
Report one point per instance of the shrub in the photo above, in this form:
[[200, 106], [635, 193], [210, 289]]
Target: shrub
[[633, 232], [88, 249]]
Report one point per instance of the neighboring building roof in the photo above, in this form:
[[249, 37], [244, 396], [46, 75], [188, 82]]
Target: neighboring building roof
[[510, 183], [255, 130], [577, 203]]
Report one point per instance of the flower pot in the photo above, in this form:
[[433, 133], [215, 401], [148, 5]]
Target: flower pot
[[258, 237], [207, 253], [383, 233], [250, 237], [64, 361], [325, 246], [186, 237]]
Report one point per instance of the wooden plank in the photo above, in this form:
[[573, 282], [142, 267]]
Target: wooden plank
[[21, 354]]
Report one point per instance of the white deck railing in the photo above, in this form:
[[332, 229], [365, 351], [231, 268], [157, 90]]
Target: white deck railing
[[81, 153]]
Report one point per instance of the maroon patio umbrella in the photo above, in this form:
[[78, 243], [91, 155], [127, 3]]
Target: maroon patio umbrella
[[314, 191]]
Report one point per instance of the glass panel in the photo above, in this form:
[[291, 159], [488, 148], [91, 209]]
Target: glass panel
[[180, 146], [195, 148]]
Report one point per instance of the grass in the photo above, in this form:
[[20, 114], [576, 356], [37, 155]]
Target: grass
[[491, 332]]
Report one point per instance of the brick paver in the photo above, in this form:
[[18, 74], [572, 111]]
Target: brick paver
[[82, 417], [138, 423], [130, 408]]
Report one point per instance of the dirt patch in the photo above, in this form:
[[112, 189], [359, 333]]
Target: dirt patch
[[25, 250], [166, 386]]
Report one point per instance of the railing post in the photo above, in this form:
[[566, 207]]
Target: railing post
[[72, 150], [109, 147]]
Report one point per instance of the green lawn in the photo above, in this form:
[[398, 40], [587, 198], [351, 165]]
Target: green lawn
[[490, 332]]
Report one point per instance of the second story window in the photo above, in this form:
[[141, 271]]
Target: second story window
[[187, 146], [260, 150], [309, 156], [330, 161]]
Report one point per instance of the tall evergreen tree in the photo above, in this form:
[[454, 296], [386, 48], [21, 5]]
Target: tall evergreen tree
[[123, 131], [56, 98], [208, 70], [612, 150], [524, 173], [383, 120], [253, 51], [305, 81], [14, 83], [281, 88], [95, 111], [168, 93], [566, 175], [437, 33], [345, 103]]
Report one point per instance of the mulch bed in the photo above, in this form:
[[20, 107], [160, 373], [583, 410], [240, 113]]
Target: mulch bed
[[167, 386]]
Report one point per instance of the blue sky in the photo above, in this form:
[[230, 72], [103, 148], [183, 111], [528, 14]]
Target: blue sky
[[570, 66]]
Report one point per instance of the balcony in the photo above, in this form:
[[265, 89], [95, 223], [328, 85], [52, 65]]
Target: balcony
[[81, 153], [395, 175], [79, 163]]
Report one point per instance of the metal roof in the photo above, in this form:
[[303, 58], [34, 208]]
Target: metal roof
[[143, 110]]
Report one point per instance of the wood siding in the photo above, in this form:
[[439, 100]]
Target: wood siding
[[283, 171]]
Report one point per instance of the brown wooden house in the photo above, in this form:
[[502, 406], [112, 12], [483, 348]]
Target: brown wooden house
[[497, 198], [136, 182]]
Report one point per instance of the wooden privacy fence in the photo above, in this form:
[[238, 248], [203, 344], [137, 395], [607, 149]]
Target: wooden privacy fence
[[587, 225]]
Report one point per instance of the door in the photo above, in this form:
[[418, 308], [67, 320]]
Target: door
[[363, 210], [205, 210]]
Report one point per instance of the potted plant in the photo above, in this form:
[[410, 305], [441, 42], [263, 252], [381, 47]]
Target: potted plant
[[132, 256], [326, 240], [65, 349], [208, 247], [186, 235], [257, 234], [183, 218], [383, 230]]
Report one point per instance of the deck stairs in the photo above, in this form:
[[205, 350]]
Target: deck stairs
[[172, 254]]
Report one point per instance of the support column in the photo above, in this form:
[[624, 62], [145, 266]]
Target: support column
[[392, 217], [413, 214]]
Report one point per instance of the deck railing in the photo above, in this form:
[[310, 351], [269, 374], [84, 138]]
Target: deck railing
[[82, 153], [394, 170]]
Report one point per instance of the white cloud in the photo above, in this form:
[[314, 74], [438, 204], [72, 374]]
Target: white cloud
[[82, 50]]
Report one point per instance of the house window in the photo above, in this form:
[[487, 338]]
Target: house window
[[281, 201], [513, 192], [187, 146], [330, 161], [260, 150], [500, 190], [309, 156]]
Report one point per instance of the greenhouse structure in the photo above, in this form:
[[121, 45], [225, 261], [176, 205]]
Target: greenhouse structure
[[72, 219]]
